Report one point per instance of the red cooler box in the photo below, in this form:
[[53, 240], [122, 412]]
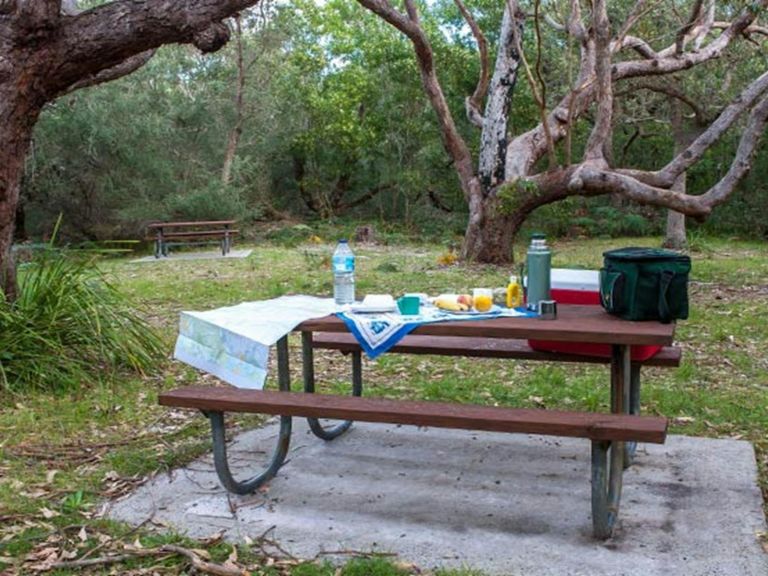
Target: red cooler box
[[582, 287]]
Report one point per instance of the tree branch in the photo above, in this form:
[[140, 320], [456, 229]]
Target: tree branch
[[495, 134], [364, 197], [538, 90], [33, 16], [598, 139], [696, 14], [575, 26], [667, 62], [105, 36], [123, 69], [744, 101], [454, 144], [748, 31], [664, 88], [194, 559], [475, 102], [588, 180]]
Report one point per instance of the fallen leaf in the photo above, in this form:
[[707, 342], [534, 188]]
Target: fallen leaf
[[83, 535], [48, 513], [684, 419]]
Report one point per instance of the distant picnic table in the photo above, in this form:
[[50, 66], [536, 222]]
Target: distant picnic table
[[167, 234]]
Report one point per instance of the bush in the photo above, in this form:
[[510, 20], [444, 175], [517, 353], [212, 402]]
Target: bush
[[213, 202], [68, 325]]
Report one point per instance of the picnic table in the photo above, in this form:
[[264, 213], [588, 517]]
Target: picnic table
[[612, 435], [167, 234]]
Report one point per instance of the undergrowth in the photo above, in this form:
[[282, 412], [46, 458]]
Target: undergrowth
[[69, 325]]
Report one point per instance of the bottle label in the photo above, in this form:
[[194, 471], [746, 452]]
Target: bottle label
[[344, 263]]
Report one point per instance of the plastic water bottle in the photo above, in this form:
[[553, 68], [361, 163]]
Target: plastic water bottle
[[539, 264], [343, 264]]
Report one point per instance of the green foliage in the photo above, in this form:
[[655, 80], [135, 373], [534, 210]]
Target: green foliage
[[69, 325], [595, 217], [334, 111], [212, 202]]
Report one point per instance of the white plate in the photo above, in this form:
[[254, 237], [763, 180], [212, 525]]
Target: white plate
[[364, 309], [472, 312]]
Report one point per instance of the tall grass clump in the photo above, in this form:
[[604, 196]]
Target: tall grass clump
[[69, 325]]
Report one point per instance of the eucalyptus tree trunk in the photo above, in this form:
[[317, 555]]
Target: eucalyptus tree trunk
[[490, 231], [20, 107], [675, 236]]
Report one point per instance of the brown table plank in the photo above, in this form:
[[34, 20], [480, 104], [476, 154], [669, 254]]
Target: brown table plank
[[439, 414], [481, 348], [573, 324], [201, 233]]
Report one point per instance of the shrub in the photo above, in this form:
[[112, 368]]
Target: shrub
[[212, 202], [68, 325]]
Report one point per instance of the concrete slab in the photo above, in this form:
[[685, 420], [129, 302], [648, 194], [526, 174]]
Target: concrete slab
[[504, 504], [174, 256]]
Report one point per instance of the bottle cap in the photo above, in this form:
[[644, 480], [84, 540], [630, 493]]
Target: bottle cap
[[538, 236], [343, 241], [513, 278]]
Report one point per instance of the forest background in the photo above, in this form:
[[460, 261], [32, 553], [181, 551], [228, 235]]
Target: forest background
[[316, 111]]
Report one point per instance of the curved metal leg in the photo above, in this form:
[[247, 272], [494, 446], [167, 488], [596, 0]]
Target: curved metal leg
[[283, 441], [222, 465], [606, 485], [308, 359]]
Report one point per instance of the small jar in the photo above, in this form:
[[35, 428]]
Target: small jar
[[500, 296]]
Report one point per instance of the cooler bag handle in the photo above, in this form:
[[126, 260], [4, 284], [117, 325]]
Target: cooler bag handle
[[611, 290], [665, 279]]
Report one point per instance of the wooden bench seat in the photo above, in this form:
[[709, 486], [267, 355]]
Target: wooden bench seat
[[590, 425], [607, 432], [669, 356]]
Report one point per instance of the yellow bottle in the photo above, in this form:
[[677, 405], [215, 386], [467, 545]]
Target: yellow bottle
[[514, 293]]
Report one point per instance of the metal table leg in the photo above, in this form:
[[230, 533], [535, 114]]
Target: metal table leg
[[308, 365], [609, 458], [634, 408], [283, 441]]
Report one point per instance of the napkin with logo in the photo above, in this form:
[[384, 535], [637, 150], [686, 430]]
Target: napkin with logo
[[377, 333]]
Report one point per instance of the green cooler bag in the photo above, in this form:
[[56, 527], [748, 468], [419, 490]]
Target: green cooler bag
[[645, 284]]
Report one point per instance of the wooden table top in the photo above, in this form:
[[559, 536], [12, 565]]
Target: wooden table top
[[573, 324], [184, 224]]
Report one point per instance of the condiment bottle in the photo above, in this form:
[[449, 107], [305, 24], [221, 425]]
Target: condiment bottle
[[514, 293]]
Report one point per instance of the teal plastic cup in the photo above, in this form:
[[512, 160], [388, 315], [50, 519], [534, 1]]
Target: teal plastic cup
[[408, 305]]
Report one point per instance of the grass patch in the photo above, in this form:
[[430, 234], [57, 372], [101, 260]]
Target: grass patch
[[65, 450], [68, 324]]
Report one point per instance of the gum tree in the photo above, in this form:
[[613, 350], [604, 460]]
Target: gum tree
[[49, 48], [512, 175]]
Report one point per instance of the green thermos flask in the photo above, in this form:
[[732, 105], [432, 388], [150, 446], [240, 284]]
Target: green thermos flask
[[539, 264]]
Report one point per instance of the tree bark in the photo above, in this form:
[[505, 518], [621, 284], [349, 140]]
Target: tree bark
[[17, 120], [494, 137], [675, 236], [233, 140]]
